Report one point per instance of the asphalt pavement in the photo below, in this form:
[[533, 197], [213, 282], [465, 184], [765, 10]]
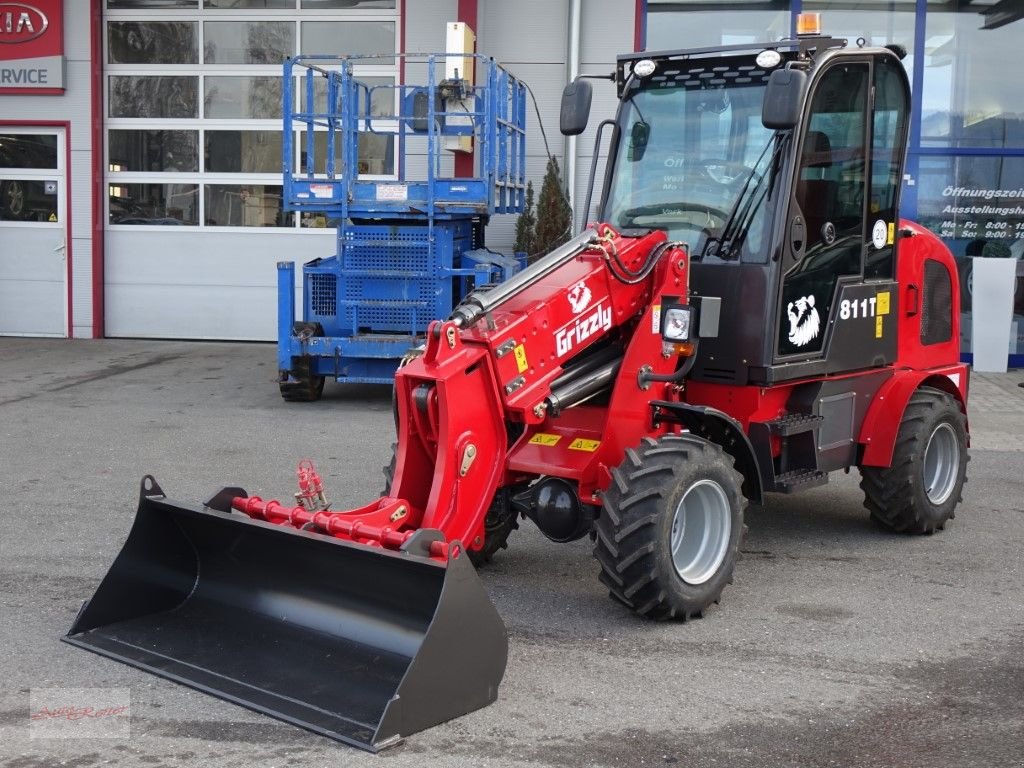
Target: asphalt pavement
[[838, 644]]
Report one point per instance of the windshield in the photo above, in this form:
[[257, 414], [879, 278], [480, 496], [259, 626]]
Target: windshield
[[688, 149]]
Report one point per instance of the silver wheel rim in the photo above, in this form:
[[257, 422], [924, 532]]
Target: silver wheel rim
[[701, 528], [941, 463]]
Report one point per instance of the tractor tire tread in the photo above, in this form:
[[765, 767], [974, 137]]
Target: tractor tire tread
[[626, 540], [890, 493]]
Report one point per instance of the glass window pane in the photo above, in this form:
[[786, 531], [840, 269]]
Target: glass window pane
[[317, 220], [150, 4], [251, 97], [28, 200], [171, 204], [376, 154], [349, 38], [139, 96], [243, 151], [670, 28], [28, 150], [153, 151], [260, 4], [248, 42], [976, 205], [152, 42], [380, 89], [245, 205], [316, 5], [969, 99], [879, 22]]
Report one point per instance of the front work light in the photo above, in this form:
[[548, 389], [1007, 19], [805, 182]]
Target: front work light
[[677, 323]]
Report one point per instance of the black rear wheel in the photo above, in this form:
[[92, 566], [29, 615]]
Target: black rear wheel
[[670, 528], [919, 491], [303, 386]]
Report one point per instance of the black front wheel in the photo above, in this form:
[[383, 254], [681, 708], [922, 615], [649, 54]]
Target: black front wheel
[[501, 519], [670, 528], [919, 491]]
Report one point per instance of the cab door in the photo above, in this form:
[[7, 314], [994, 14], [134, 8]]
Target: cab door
[[826, 232], [33, 232], [837, 295]]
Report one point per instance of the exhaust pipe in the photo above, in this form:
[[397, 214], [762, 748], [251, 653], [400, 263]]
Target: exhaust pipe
[[356, 643]]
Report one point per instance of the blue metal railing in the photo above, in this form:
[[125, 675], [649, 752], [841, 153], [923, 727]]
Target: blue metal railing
[[492, 111]]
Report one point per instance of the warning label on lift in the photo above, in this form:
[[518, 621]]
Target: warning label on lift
[[392, 192]]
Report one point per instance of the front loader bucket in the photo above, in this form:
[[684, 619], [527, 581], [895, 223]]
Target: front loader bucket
[[359, 644]]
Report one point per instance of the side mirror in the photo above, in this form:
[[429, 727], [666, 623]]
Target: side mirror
[[576, 98], [783, 99], [639, 135]]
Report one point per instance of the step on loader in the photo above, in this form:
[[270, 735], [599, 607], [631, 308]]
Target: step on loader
[[749, 315]]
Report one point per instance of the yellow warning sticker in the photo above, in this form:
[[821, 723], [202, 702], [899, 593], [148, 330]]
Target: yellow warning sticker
[[892, 232], [543, 438], [53, 217], [581, 444], [878, 326], [521, 363], [882, 303]]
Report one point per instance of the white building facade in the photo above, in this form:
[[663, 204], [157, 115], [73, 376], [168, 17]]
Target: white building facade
[[140, 196]]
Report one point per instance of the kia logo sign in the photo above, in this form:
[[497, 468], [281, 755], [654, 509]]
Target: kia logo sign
[[20, 23]]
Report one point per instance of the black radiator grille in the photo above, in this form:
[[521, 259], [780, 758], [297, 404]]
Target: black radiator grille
[[323, 294]]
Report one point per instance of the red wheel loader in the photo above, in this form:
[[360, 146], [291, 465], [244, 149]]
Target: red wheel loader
[[749, 315]]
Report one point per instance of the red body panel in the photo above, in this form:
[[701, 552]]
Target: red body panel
[[935, 365], [914, 252], [882, 423]]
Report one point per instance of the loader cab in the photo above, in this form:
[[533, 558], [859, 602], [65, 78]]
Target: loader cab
[[794, 225]]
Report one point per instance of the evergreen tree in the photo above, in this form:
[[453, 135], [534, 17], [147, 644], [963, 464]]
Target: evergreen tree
[[526, 224], [554, 217]]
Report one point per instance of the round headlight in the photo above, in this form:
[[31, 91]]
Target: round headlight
[[768, 59], [644, 68]]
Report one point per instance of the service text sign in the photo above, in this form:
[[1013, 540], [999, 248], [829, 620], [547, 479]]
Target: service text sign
[[32, 47]]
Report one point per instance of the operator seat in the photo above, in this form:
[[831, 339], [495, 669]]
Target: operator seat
[[815, 193]]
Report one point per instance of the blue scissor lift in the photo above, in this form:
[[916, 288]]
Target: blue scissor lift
[[408, 249]]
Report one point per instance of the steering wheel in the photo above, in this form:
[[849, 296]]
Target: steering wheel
[[726, 172]]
